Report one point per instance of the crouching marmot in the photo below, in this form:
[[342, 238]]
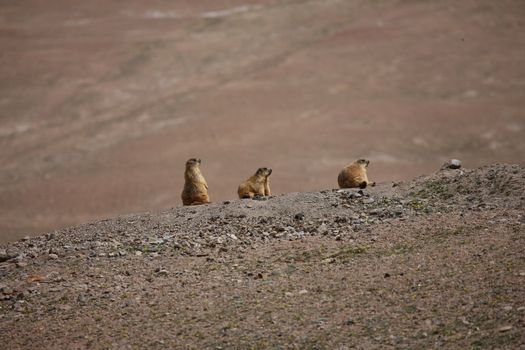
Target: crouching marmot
[[354, 175], [195, 187], [256, 185]]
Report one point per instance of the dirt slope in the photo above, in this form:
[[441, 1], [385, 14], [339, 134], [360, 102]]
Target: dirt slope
[[102, 102], [437, 262]]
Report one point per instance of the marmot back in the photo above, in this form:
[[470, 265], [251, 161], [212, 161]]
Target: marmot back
[[354, 175], [195, 187], [256, 185]]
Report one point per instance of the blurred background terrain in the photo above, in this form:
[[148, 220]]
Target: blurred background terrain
[[102, 102]]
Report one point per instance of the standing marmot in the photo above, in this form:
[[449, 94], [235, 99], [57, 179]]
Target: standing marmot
[[195, 187], [256, 185], [354, 175]]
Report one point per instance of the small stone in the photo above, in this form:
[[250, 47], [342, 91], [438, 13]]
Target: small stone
[[25, 238], [349, 322], [288, 294], [226, 202], [464, 320], [64, 307], [374, 211], [451, 164], [355, 195], [387, 275], [302, 291], [322, 229], [138, 253], [4, 255], [299, 217], [156, 241], [505, 328], [21, 263], [53, 256]]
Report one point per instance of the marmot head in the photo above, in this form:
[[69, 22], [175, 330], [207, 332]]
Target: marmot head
[[263, 172], [193, 162], [363, 162]]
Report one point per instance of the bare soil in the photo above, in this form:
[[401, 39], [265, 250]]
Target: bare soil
[[437, 262], [102, 102]]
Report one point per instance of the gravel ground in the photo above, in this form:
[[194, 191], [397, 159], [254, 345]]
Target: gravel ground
[[437, 262]]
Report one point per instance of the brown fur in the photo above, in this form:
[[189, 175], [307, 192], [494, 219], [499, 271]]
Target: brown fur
[[256, 185], [195, 190], [354, 175]]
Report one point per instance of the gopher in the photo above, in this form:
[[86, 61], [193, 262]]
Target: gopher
[[256, 185], [195, 190], [354, 175]]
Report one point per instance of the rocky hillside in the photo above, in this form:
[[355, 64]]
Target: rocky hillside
[[437, 262]]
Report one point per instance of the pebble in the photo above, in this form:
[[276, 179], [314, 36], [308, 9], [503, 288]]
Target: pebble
[[299, 217], [322, 229], [374, 211], [53, 256], [368, 200], [5, 255], [451, 164], [505, 328], [156, 241], [349, 322], [162, 272]]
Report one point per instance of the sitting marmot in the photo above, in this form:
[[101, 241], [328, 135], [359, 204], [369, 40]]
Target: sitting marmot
[[256, 185], [354, 175], [195, 187]]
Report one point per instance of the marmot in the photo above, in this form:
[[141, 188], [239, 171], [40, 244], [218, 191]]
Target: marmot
[[256, 185], [354, 175], [195, 187]]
